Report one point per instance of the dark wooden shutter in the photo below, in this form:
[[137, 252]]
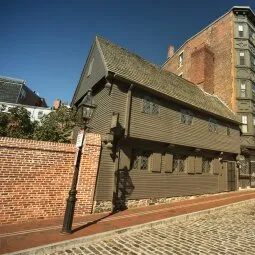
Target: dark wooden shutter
[[125, 157], [198, 165], [168, 164], [216, 166], [156, 162], [191, 165]]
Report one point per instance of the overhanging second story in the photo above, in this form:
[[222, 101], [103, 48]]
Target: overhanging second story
[[152, 103]]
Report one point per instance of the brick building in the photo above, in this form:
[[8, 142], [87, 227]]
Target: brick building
[[221, 59]]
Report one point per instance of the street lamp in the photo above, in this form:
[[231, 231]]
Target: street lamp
[[87, 108]]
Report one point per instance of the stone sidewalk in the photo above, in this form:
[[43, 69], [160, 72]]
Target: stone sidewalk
[[229, 231], [98, 226]]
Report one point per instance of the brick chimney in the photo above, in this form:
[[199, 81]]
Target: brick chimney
[[56, 104], [170, 52], [202, 67]]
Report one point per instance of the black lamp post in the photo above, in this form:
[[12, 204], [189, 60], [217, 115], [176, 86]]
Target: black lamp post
[[87, 108]]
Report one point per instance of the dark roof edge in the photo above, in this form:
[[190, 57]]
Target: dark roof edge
[[82, 74], [181, 102], [234, 8], [12, 79]]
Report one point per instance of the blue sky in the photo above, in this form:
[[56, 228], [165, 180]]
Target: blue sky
[[47, 42]]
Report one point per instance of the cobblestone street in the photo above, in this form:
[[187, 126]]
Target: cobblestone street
[[231, 231]]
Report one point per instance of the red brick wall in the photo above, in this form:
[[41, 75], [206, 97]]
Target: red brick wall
[[35, 178], [219, 37], [201, 70]]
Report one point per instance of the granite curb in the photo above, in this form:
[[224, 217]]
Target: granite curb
[[54, 247]]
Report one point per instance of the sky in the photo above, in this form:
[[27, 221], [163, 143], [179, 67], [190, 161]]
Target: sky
[[47, 42]]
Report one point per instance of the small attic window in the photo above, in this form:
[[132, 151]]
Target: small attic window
[[90, 67]]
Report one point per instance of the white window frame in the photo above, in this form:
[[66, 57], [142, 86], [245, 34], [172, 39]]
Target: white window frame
[[243, 90], [240, 30], [180, 59], [241, 55], [244, 124]]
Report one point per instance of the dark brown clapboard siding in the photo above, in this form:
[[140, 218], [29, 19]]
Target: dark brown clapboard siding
[[167, 127], [98, 71], [156, 185], [101, 119], [119, 101], [105, 179]]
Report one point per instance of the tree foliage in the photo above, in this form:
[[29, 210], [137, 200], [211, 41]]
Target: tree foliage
[[57, 126], [16, 123]]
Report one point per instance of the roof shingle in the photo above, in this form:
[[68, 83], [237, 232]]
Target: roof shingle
[[132, 67]]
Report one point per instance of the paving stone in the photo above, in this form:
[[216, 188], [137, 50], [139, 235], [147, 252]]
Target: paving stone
[[231, 231]]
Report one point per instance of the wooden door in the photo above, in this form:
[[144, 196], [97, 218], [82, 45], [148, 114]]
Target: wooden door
[[231, 175], [223, 177]]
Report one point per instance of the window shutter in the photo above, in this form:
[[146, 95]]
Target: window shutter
[[191, 165], [125, 156], [216, 166], [198, 165], [156, 162], [168, 166]]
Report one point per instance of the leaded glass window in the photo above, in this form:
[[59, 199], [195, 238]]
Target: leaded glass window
[[150, 106], [154, 108], [206, 165], [212, 125], [140, 159], [144, 160], [244, 166], [146, 105], [186, 117], [178, 163]]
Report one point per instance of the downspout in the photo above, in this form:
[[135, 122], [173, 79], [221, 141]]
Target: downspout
[[128, 110]]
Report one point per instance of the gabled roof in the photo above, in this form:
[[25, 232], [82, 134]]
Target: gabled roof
[[132, 67]]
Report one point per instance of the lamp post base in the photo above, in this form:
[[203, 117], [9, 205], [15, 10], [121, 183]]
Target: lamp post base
[[68, 219]]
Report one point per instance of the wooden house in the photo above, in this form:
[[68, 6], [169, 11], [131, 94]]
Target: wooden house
[[162, 136]]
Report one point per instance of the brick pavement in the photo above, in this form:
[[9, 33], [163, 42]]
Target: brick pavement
[[231, 231], [18, 237]]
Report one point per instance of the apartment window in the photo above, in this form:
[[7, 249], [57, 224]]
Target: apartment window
[[251, 34], [244, 124], [150, 106], [212, 125], [22, 94], [252, 62], [206, 165], [253, 90], [241, 58], [186, 117], [181, 59], [40, 114], [243, 90], [90, 67], [240, 30], [179, 163], [140, 159]]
